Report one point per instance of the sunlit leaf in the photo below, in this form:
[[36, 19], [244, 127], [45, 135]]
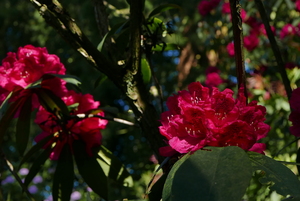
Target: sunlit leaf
[[283, 180], [63, 179], [216, 174], [90, 170], [37, 165], [165, 47], [163, 8], [114, 168], [155, 193], [51, 102], [23, 126], [146, 70]]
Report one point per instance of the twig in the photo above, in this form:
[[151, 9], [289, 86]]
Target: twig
[[235, 7], [275, 48]]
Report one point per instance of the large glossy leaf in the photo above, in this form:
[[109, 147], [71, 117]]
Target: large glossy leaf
[[63, 179], [37, 165], [283, 180], [9, 115], [163, 8], [90, 170], [114, 168], [23, 126], [215, 174]]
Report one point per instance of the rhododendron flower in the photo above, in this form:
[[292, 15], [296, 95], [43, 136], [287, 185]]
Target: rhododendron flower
[[295, 114], [297, 5], [226, 8], [86, 130], [263, 29], [287, 30], [230, 49], [27, 66], [251, 42], [213, 78], [206, 6], [200, 117]]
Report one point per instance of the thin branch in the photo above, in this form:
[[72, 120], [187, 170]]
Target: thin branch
[[235, 7], [275, 48]]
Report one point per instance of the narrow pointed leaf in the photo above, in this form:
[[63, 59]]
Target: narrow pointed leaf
[[163, 8], [146, 71], [34, 149], [114, 167], [51, 102], [90, 170], [68, 78], [284, 181], [9, 115], [63, 179], [216, 174], [23, 126], [37, 165]]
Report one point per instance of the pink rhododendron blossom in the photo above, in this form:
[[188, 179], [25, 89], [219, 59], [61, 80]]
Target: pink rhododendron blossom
[[27, 66], [287, 30], [251, 42], [295, 114], [263, 30], [226, 8], [213, 78], [86, 130], [230, 49], [297, 5], [200, 117], [206, 6]]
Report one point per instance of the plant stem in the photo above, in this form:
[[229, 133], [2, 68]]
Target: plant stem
[[275, 48], [235, 8]]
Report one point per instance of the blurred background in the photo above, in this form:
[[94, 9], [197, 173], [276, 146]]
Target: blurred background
[[203, 35]]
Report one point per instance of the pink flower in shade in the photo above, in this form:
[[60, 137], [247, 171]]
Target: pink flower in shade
[[213, 78], [251, 42], [287, 30], [226, 8], [297, 5], [26, 66], [206, 6], [290, 65], [86, 130], [295, 114], [263, 30], [200, 117], [230, 49]]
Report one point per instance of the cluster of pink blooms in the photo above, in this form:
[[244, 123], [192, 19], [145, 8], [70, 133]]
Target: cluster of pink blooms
[[29, 65], [200, 117], [295, 114]]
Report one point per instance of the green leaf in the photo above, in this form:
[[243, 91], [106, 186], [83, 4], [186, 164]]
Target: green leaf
[[51, 102], [90, 170], [35, 149], [283, 179], [165, 47], [23, 126], [115, 30], [214, 174], [114, 168], [163, 8], [37, 165], [9, 115], [146, 70], [68, 78], [63, 179], [100, 80], [156, 190]]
